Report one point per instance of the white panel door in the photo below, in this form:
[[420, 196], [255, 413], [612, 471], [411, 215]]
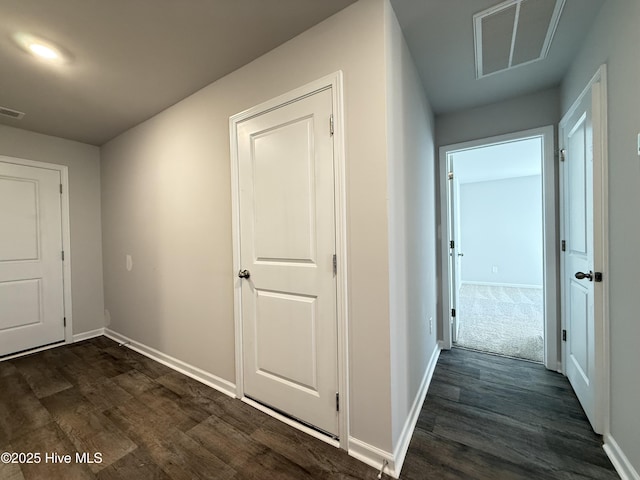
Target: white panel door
[[31, 282], [578, 278], [287, 244]]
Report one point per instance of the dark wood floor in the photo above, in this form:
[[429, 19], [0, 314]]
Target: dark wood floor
[[490, 417], [484, 418]]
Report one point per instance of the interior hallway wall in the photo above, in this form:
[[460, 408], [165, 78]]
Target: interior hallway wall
[[534, 110], [166, 197], [501, 227], [412, 231], [84, 214], [614, 40]]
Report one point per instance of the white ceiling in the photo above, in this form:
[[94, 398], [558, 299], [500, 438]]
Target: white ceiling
[[440, 36], [134, 58], [520, 158]]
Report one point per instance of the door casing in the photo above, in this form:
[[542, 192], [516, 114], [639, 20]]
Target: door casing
[[66, 245], [600, 242], [335, 82], [550, 245]]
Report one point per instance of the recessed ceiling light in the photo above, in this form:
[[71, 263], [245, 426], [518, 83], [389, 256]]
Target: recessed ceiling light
[[40, 48], [43, 51]]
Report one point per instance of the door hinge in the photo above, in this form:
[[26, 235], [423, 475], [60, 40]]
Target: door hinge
[[453, 312], [564, 245], [337, 402], [63, 255], [60, 189], [452, 244], [331, 124], [335, 264], [562, 154], [564, 335], [64, 321], [450, 175]]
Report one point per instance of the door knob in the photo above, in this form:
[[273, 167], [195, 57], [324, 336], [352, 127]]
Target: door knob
[[244, 274], [461, 254], [582, 275]]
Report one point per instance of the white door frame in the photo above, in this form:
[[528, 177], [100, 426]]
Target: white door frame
[[550, 248], [600, 237], [333, 81], [66, 243]]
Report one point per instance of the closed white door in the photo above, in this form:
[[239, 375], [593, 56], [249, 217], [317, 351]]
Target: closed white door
[[578, 277], [287, 247], [31, 282]]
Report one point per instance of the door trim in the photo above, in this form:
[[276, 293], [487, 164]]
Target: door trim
[[334, 82], [66, 242], [550, 246], [600, 238]]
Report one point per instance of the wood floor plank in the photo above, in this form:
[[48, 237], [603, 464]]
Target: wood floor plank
[[231, 445], [484, 417], [9, 471], [314, 456], [134, 382], [68, 401], [20, 409], [91, 433], [489, 417], [136, 465], [47, 440], [142, 421], [44, 379], [437, 457], [7, 368], [104, 393]]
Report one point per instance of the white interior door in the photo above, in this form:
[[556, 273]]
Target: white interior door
[[287, 247], [458, 254], [454, 249], [31, 270], [578, 277]]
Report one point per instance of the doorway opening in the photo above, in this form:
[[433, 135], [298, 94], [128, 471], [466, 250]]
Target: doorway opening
[[498, 206], [497, 215]]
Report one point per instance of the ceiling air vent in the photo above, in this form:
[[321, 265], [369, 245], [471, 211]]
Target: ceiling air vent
[[8, 112], [514, 33]]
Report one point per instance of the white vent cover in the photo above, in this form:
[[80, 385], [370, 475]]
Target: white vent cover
[[8, 112], [514, 33]]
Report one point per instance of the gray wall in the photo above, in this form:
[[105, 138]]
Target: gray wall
[[614, 41], [84, 214], [412, 249], [501, 226], [521, 113], [166, 197]]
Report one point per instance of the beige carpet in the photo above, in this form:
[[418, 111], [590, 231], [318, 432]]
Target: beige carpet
[[503, 320]]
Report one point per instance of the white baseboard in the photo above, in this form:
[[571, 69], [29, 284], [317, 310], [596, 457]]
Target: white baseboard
[[372, 456], [375, 456], [498, 284], [213, 381], [78, 337], [400, 451], [620, 461]]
